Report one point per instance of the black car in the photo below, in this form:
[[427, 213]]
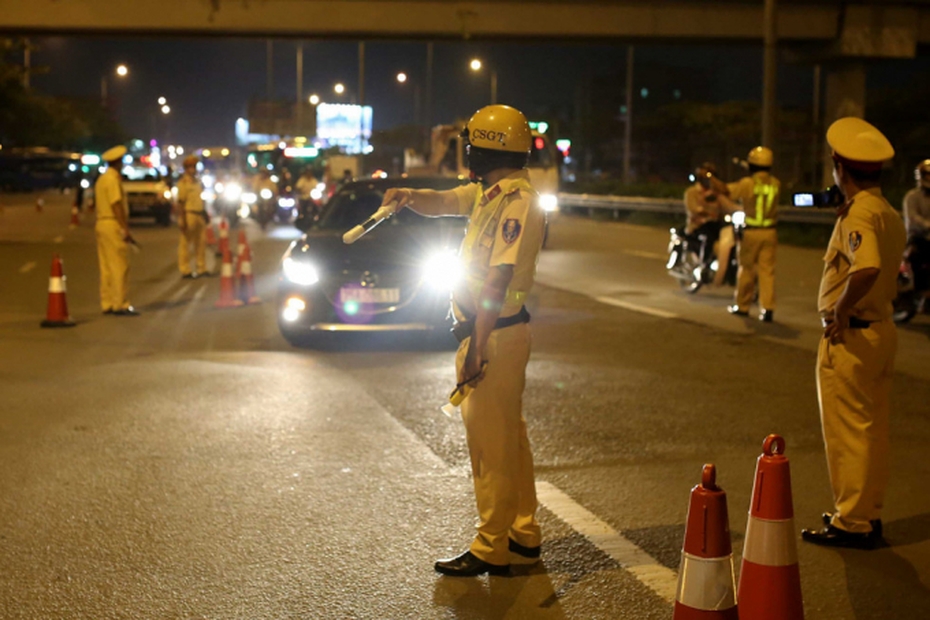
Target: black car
[[398, 277]]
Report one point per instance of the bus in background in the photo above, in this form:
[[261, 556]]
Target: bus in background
[[38, 168]]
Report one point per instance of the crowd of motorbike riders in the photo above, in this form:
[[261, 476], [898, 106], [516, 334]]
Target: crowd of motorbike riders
[[730, 240]]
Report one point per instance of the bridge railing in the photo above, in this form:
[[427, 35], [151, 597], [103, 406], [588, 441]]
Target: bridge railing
[[589, 204]]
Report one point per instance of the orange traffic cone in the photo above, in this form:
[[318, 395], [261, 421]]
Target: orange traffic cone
[[769, 580], [241, 243], [246, 281], [210, 237], [227, 284], [706, 584], [75, 218], [57, 315], [224, 237]]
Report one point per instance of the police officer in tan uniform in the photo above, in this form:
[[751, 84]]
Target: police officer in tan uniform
[[499, 253], [856, 357], [112, 230], [758, 196], [192, 220]]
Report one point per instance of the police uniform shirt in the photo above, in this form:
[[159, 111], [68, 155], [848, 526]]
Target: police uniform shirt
[[189, 194], [517, 237], [869, 235], [758, 195], [917, 213], [108, 190]]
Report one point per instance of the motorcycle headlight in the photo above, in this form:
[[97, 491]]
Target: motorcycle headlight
[[248, 198], [166, 194], [266, 194], [442, 270], [316, 193], [286, 203], [738, 218], [549, 202], [219, 188], [300, 272], [233, 192], [244, 211]]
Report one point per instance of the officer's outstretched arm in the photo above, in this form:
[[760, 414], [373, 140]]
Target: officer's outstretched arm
[[427, 202]]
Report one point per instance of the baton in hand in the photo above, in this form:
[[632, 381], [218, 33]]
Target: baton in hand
[[365, 227], [461, 391]]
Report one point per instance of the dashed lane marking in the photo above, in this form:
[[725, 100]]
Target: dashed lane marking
[[662, 314], [59, 239], [658, 578], [644, 254], [27, 267]]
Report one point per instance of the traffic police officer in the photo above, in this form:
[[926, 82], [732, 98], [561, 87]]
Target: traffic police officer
[[112, 229], [192, 220], [758, 195], [855, 361], [917, 222], [499, 252]]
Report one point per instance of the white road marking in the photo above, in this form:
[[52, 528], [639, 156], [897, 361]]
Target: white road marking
[[59, 239], [643, 254], [660, 579], [27, 267], [662, 314]]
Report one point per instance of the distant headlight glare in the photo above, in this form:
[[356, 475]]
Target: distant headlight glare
[[233, 192], [442, 270], [300, 272], [266, 194], [549, 202], [249, 198]]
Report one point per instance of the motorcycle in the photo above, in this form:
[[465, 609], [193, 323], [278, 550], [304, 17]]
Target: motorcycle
[[910, 300], [693, 262]]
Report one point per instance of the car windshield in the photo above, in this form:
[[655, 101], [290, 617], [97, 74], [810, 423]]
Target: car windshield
[[540, 156], [354, 205], [133, 173]]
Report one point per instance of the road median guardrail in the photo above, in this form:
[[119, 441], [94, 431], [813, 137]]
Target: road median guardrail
[[589, 204]]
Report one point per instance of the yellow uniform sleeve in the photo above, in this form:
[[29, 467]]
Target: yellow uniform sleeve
[[519, 231], [183, 189], [860, 239], [466, 196]]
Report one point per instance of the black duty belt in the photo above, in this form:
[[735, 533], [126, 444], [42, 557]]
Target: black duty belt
[[760, 227], [463, 329], [854, 322]]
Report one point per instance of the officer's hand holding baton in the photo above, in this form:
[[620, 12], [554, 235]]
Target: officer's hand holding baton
[[394, 200]]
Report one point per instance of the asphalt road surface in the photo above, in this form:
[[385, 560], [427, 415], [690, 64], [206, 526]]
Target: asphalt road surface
[[189, 463]]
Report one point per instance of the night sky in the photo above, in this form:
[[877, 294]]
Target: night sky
[[209, 81]]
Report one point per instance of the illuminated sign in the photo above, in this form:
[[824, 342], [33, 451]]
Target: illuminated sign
[[90, 160], [540, 126], [301, 151], [347, 126]]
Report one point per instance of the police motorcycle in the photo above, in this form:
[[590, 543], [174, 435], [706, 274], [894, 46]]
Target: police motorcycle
[[692, 260]]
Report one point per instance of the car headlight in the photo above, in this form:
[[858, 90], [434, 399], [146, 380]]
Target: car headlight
[[442, 270], [286, 203], [85, 183], [208, 180], [248, 198], [166, 194], [300, 272], [266, 194], [219, 188], [233, 192], [549, 202], [244, 211]]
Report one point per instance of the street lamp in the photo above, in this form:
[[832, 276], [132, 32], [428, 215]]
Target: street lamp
[[162, 101], [166, 109], [339, 88], [475, 66], [314, 99], [121, 71], [401, 77]]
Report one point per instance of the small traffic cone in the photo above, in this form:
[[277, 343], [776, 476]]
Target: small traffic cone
[[769, 580], [246, 281], [224, 237], [57, 315], [75, 217], [227, 284], [210, 237], [706, 583], [241, 243]]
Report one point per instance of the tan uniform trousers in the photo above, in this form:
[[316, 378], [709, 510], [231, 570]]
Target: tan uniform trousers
[[757, 258], [854, 387], [194, 234], [113, 254], [501, 459]]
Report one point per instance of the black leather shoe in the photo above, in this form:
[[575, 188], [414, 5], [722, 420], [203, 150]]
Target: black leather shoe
[[876, 524], [130, 311], [767, 316], [831, 536], [468, 565], [734, 309], [108, 311], [524, 555], [188, 276]]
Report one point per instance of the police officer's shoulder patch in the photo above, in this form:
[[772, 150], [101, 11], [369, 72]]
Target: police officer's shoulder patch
[[511, 230], [855, 240]]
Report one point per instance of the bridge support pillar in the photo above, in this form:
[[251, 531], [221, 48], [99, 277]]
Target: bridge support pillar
[[845, 96]]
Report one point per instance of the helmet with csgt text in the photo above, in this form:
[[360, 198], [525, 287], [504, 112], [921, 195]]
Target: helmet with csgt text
[[922, 174], [760, 156], [499, 128]]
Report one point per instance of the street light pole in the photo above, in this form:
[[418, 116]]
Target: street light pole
[[300, 88], [770, 74], [361, 73], [493, 87], [628, 125]]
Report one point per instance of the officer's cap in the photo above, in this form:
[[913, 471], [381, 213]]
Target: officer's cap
[[859, 144], [191, 160], [114, 154]]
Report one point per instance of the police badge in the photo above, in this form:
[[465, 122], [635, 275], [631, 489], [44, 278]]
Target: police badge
[[510, 231], [855, 240]]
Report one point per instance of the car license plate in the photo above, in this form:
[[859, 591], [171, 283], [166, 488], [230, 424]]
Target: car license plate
[[370, 295]]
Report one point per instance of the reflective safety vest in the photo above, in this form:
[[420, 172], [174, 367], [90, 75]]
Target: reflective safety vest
[[766, 197], [475, 253]]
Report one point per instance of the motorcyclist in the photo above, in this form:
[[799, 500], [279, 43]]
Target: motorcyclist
[[266, 193], [916, 209], [706, 207], [305, 186]]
